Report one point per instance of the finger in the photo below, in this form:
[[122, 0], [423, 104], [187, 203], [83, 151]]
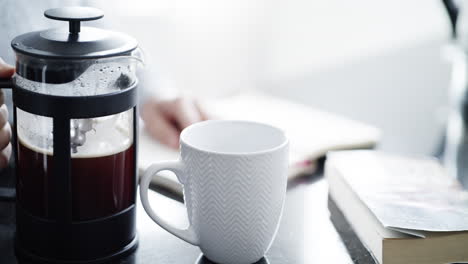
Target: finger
[[186, 113], [5, 155], [3, 115], [159, 126], [5, 135], [6, 71]]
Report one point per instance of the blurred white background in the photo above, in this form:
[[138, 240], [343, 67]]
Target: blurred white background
[[376, 61]]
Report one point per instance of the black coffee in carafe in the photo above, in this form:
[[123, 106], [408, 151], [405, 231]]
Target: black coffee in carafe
[[101, 185]]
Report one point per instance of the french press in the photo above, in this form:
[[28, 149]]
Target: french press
[[75, 139]]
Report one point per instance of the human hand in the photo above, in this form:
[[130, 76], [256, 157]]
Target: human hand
[[164, 120], [6, 71]]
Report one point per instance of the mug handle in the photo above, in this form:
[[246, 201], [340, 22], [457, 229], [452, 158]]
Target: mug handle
[[176, 167]]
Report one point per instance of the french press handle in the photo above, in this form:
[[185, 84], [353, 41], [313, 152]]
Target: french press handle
[[6, 83]]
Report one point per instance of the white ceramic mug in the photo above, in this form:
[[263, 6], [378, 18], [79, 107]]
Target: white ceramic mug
[[234, 175]]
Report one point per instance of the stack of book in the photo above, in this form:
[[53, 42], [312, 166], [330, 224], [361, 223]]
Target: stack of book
[[403, 209]]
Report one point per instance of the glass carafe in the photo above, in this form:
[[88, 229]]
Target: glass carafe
[[102, 148]]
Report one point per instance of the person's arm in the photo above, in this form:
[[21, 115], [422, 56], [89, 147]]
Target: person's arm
[[6, 71], [164, 110], [165, 119]]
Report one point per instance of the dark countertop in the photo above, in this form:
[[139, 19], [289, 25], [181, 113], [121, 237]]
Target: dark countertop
[[306, 234]]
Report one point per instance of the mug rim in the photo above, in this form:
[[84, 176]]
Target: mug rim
[[184, 142]]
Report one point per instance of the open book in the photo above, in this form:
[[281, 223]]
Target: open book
[[404, 210], [311, 132]]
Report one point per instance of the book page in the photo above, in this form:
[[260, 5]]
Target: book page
[[311, 132], [405, 192]]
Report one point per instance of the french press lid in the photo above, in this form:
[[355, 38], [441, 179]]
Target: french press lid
[[60, 55]]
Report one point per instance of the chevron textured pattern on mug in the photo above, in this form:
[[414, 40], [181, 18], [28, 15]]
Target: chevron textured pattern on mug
[[234, 175]]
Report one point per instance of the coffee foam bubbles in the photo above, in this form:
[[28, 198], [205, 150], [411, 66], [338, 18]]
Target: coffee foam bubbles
[[110, 134], [99, 78]]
